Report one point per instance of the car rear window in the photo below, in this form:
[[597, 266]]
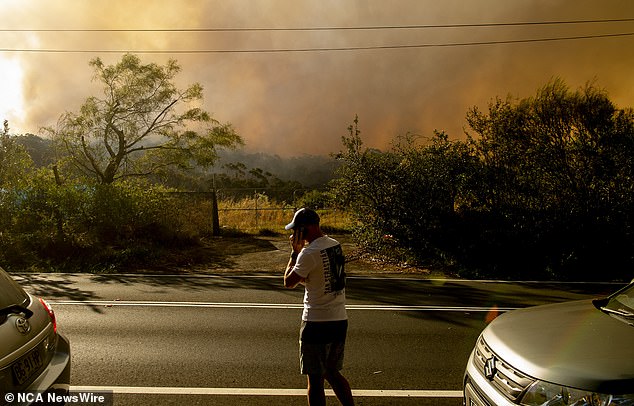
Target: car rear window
[[10, 292]]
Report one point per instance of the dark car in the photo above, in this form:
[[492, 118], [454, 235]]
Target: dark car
[[578, 353], [34, 356]]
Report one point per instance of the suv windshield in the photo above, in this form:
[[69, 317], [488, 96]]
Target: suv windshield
[[620, 304], [624, 300], [11, 293]]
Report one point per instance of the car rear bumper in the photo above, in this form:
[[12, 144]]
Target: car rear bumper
[[56, 376]]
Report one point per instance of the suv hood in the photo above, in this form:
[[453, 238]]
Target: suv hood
[[572, 344]]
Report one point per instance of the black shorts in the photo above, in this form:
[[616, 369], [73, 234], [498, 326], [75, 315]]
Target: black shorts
[[322, 346]]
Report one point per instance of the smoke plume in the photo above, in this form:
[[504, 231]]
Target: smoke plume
[[301, 102]]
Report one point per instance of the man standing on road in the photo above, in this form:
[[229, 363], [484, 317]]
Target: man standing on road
[[317, 262]]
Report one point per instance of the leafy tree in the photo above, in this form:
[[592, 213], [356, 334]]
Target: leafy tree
[[15, 169], [558, 181], [403, 198], [39, 149], [15, 162], [544, 188], [142, 124], [554, 151]]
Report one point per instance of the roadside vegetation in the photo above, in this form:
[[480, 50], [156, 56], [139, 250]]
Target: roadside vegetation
[[130, 179], [541, 187]]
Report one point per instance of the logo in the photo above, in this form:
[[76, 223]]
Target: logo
[[22, 325], [489, 368]]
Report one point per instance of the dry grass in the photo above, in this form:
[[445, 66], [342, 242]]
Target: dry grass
[[192, 216], [255, 215]]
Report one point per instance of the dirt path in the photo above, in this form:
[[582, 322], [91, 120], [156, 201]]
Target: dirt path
[[266, 255]]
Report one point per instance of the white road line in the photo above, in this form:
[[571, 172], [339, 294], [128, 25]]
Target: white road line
[[237, 275], [398, 308], [159, 390]]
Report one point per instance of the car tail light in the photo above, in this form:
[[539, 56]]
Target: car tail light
[[51, 314]]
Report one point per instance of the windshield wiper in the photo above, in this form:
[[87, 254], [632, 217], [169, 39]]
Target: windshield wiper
[[16, 309], [619, 312]]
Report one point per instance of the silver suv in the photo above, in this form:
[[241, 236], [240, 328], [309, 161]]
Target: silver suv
[[578, 353], [34, 356]]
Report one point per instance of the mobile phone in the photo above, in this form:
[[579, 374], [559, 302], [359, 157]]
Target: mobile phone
[[298, 234]]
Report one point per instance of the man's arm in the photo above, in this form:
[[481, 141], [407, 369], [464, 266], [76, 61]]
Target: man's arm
[[292, 279], [297, 242]]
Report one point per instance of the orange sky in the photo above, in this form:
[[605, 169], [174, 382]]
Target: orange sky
[[294, 103]]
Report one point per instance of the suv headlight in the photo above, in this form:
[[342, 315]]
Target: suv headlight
[[547, 394]]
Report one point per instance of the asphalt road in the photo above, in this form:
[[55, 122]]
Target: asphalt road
[[232, 340]]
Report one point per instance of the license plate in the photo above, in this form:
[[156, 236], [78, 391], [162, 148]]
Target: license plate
[[26, 366]]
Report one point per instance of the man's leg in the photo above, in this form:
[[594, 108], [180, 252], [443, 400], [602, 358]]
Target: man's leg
[[341, 387], [316, 393]]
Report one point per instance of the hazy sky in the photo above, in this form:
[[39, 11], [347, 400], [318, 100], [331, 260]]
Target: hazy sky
[[301, 102]]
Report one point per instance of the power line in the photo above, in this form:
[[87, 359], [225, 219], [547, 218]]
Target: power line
[[325, 49], [371, 27]]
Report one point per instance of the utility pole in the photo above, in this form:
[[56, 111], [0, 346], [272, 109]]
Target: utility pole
[[215, 220]]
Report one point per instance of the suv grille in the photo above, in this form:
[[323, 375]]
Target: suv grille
[[506, 379]]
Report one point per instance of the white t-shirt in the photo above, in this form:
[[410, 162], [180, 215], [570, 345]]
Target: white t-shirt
[[321, 264]]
